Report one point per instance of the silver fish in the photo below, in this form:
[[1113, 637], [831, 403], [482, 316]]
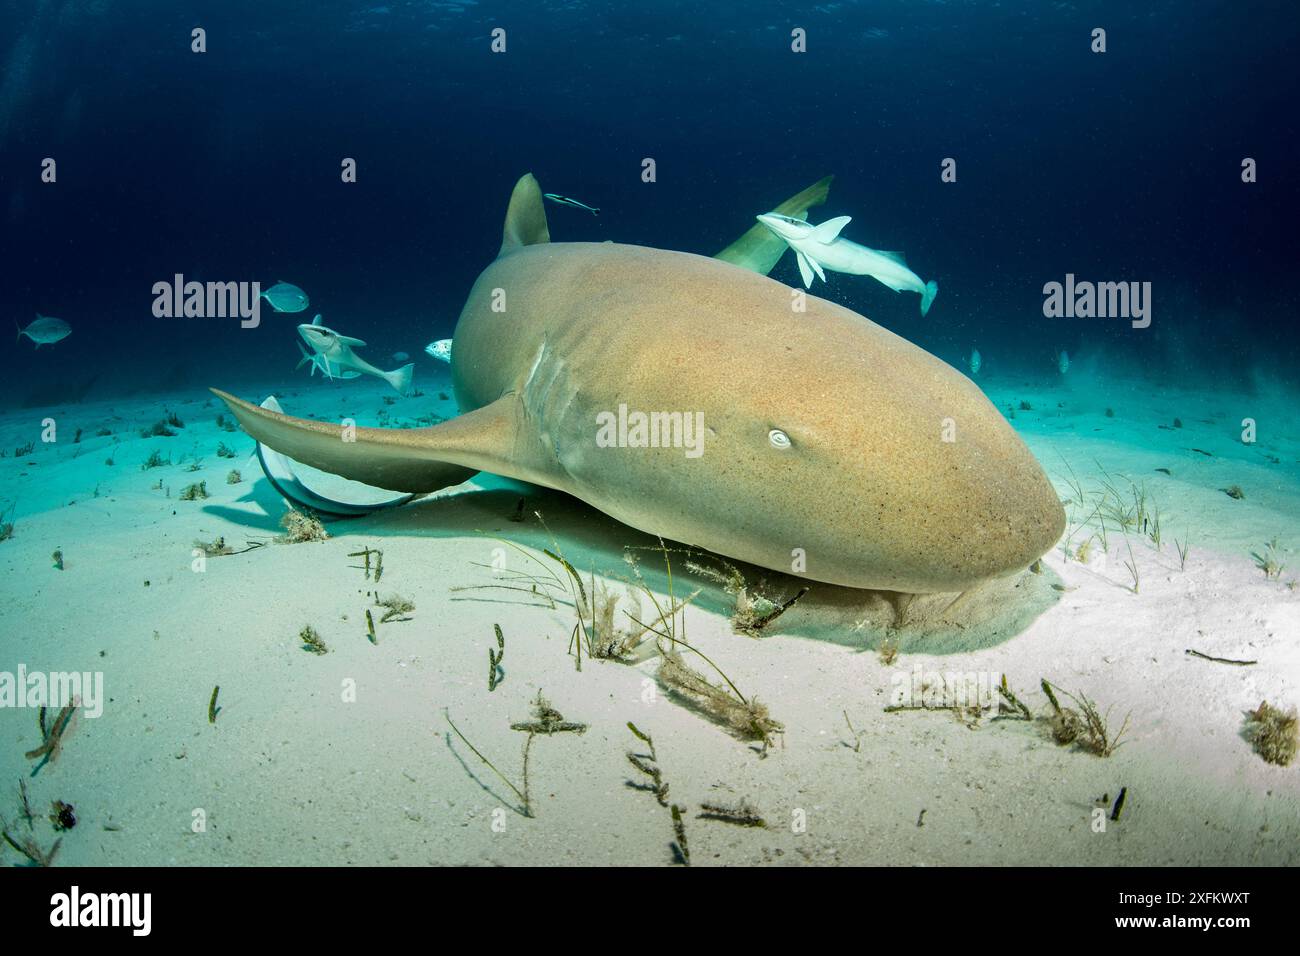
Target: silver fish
[[440, 350], [44, 331], [566, 201], [286, 298]]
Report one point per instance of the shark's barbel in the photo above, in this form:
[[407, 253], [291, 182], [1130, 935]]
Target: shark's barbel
[[832, 448]]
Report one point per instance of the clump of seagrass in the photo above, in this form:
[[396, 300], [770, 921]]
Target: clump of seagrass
[[396, 608], [1269, 560], [214, 548], [742, 716], [378, 564], [312, 641], [888, 650], [195, 491], [155, 460], [496, 673], [526, 807], [1274, 733], [158, 429], [29, 848], [1010, 707], [52, 734], [753, 612], [606, 640], [299, 528], [233, 477], [647, 765], [741, 814], [1086, 728], [745, 718], [681, 848], [547, 720], [7, 523]]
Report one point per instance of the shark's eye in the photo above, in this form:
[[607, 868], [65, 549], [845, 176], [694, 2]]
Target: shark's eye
[[778, 438]]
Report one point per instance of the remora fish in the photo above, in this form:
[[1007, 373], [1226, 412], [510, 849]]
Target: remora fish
[[286, 298], [874, 500], [44, 331], [820, 247], [566, 201], [333, 355]]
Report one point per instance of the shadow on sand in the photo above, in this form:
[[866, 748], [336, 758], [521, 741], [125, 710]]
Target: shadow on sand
[[594, 542]]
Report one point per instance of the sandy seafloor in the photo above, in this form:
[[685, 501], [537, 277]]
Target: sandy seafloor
[[290, 773]]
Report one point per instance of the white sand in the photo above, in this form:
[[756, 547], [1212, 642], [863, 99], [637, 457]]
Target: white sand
[[292, 774]]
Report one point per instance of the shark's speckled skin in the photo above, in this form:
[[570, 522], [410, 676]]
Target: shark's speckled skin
[[866, 489]]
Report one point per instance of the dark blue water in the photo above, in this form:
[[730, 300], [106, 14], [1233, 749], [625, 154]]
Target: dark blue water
[[224, 166]]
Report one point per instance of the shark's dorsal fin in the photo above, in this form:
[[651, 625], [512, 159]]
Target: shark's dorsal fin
[[759, 249], [830, 229], [525, 217], [895, 257]]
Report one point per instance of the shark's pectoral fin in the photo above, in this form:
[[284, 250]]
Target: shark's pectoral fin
[[805, 269], [399, 459]]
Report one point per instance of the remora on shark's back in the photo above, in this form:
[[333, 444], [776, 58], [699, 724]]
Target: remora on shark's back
[[45, 330], [818, 248], [850, 482]]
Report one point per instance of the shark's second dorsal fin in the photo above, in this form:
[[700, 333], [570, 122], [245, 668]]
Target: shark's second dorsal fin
[[525, 219]]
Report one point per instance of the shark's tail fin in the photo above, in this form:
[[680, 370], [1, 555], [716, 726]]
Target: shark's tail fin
[[759, 249], [927, 297], [525, 218], [400, 378], [20, 331]]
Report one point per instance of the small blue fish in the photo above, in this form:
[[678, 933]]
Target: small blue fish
[[44, 331], [286, 298], [975, 361], [1063, 361], [566, 201]]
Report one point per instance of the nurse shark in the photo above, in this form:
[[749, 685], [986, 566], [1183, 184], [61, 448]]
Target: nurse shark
[[832, 449]]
